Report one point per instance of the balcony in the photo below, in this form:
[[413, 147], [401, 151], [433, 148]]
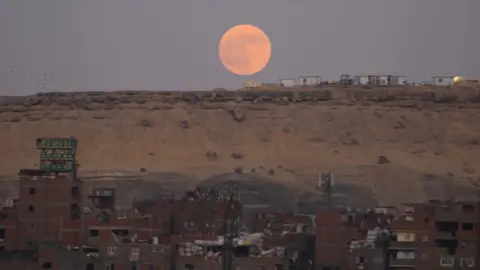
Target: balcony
[[402, 263], [446, 235], [402, 258]]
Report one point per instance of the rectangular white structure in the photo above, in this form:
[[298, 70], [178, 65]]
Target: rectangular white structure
[[400, 80], [287, 82], [379, 80], [361, 80], [442, 80], [309, 80]]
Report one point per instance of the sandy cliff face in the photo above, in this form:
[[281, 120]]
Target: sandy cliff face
[[298, 133]]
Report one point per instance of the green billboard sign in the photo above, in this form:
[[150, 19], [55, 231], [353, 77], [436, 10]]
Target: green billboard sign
[[57, 154], [57, 143]]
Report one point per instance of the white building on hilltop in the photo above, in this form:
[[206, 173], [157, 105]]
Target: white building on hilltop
[[309, 80], [287, 82], [442, 80], [380, 80]]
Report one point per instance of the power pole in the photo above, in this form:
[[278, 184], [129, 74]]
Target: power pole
[[230, 225], [326, 184]]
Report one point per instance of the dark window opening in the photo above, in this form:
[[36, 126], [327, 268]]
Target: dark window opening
[[447, 227], [361, 259], [93, 233], [47, 265], [449, 245], [75, 192], [2, 237], [426, 220], [467, 208], [467, 226], [75, 211], [31, 226], [278, 267], [189, 266], [350, 220], [31, 208], [134, 267], [90, 266], [32, 191], [242, 251], [110, 266]]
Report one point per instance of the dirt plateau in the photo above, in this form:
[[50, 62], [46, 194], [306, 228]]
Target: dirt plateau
[[427, 141]]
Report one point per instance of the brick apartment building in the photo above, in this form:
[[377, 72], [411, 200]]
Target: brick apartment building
[[53, 225], [48, 228], [432, 235]]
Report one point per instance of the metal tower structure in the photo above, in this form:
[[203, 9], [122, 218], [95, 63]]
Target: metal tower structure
[[326, 184], [230, 224]]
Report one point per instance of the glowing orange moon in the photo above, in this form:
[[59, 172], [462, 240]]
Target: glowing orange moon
[[244, 49]]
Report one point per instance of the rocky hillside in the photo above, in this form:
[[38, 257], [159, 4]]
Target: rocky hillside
[[286, 136]]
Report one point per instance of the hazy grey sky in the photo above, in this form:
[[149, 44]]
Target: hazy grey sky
[[173, 44]]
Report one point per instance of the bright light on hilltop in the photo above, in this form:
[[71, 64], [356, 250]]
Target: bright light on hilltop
[[458, 79]]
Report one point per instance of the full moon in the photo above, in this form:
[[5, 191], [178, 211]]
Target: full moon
[[244, 49]]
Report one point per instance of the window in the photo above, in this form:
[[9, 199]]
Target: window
[[350, 220], [31, 208], [424, 238], [467, 226], [47, 265], [189, 266], [406, 237], [75, 211], [360, 259], [440, 80], [406, 255], [467, 208], [134, 254], [109, 266], [446, 261], [74, 192], [467, 262], [32, 191], [31, 226], [93, 233], [90, 266], [111, 250]]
